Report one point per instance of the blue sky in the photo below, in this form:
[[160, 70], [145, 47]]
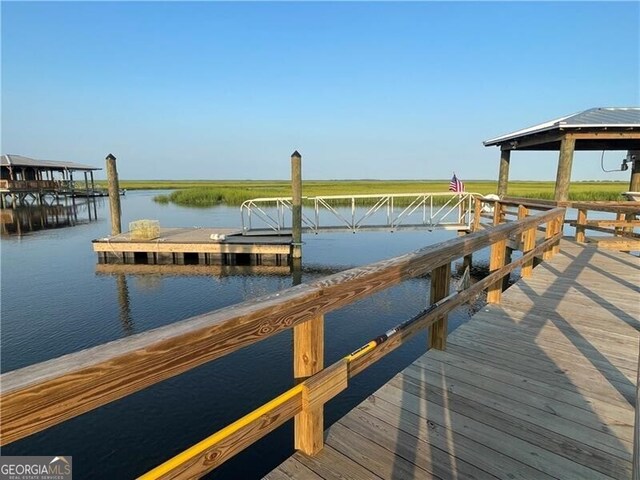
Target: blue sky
[[211, 90]]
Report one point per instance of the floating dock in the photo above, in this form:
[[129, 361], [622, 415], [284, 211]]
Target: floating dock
[[195, 246]]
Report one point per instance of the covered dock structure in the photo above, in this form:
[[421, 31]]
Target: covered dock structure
[[593, 129], [27, 180]]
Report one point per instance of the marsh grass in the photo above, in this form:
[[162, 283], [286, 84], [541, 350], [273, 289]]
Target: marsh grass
[[209, 193]]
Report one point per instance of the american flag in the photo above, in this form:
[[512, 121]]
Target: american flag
[[456, 185]]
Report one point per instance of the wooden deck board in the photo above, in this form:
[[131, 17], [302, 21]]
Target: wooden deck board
[[541, 386]]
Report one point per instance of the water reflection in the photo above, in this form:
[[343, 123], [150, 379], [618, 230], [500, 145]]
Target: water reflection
[[30, 218], [125, 304]]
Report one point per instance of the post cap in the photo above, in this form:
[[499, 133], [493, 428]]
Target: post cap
[[296, 154], [110, 157]]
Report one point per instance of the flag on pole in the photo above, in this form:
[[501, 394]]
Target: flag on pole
[[456, 184]]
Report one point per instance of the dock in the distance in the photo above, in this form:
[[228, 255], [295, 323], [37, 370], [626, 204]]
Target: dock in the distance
[[195, 246]]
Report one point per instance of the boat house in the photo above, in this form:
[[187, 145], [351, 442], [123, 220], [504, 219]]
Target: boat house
[[27, 179], [593, 129]]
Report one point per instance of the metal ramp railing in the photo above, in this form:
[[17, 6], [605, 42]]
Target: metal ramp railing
[[357, 213]]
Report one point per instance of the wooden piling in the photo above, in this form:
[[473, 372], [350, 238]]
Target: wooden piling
[[296, 188], [114, 195], [503, 175], [440, 278], [565, 161], [634, 182], [308, 359]]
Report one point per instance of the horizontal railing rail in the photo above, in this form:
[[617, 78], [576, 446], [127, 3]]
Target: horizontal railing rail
[[42, 395], [33, 185]]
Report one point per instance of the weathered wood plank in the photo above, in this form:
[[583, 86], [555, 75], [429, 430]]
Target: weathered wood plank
[[499, 395], [434, 432], [611, 410], [333, 465], [441, 401], [425, 455], [536, 457], [384, 463]]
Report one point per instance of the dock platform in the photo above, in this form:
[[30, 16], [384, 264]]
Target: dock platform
[[541, 386], [195, 246]]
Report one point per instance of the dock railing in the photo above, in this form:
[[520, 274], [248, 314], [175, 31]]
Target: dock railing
[[42, 395]]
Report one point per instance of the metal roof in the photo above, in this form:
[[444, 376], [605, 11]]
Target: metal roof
[[616, 117], [9, 160]]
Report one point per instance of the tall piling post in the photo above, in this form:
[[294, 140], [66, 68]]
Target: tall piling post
[[634, 186], [634, 182], [296, 190], [114, 195]]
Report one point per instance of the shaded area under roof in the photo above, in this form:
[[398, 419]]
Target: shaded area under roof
[[9, 160], [595, 129]]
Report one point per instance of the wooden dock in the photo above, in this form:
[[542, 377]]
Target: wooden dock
[[195, 246], [541, 383], [541, 386]]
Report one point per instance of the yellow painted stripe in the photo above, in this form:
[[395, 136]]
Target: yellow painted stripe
[[208, 442], [361, 351]]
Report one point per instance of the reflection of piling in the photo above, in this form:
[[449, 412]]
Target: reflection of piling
[[296, 271], [114, 195], [296, 201], [124, 303]]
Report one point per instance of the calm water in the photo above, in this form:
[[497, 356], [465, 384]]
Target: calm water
[[54, 302]]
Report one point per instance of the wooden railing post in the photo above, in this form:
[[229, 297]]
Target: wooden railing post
[[477, 214], [581, 221], [308, 359], [558, 229], [528, 242], [496, 261], [440, 278], [620, 217], [497, 213], [522, 212], [548, 233]]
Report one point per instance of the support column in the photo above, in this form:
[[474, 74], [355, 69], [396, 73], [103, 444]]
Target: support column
[[296, 189], [503, 175], [565, 160], [114, 195]]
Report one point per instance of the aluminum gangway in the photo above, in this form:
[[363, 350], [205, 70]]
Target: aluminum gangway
[[358, 213]]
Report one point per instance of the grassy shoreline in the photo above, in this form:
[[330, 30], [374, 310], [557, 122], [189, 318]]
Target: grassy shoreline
[[207, 193]]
